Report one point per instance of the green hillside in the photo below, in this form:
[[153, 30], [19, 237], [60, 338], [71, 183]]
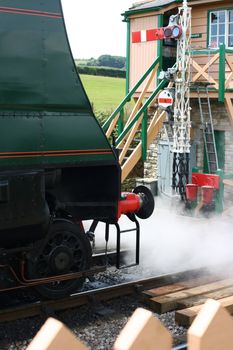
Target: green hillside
[[104, 93]]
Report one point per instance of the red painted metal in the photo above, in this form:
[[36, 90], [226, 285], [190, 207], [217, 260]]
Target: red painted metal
[[155, 34], [200, 179], [136, 37], [151, 34], [207, 194], [130, 203], [165, 100], [191, 192]]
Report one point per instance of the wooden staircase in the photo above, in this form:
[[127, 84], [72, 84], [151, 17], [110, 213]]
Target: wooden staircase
[[136, 134], [139, 131]]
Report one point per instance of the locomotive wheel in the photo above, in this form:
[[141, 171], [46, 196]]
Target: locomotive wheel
[[67, 250]]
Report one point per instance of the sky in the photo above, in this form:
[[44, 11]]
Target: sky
[[95, 27]]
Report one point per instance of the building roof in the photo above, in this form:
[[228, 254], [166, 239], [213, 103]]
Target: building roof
[[151, 5], [140, 6]]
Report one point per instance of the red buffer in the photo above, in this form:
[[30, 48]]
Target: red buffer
[[139, 202]]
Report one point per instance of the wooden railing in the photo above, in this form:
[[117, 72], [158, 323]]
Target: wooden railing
[[214, 66], [211, 329], [137, 125]]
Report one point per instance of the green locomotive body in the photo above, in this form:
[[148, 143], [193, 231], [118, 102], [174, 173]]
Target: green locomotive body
[[57, 167], [48, 131]]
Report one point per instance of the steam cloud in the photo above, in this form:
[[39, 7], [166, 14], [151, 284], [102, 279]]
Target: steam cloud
[[172, 242]]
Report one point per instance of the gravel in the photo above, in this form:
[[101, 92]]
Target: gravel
[[97, 325]]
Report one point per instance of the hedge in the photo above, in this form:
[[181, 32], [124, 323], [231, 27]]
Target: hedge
[[106, 72]]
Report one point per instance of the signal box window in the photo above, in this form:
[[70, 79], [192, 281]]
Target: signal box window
[[221, 28]]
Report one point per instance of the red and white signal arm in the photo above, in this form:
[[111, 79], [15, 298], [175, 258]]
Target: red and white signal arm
[[165, 99]]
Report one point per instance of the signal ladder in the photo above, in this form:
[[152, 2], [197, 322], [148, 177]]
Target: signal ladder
[[207, 127]]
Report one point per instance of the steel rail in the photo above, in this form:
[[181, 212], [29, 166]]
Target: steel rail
[[42, 307]]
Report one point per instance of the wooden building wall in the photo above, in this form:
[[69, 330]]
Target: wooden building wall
[[142, 54], [200, 20], [200, 15]]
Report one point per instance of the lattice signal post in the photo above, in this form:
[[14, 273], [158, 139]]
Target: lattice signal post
[[182, 123], [179, 28]]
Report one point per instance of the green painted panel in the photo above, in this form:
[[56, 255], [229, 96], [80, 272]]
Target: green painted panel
[[20, 134], [38, 66], [43, 105], [37, 134], [220, 145], [72, 132], [196, 35]]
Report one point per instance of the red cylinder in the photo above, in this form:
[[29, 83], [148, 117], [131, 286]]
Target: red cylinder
[[130, 203], [191, 192], [207, 194]]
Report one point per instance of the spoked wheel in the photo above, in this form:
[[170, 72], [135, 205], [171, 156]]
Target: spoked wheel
[[67, 250]]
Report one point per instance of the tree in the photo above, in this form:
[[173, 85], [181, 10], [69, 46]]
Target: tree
[[111, 61]]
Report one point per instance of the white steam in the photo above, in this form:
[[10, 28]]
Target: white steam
[[172, 242]]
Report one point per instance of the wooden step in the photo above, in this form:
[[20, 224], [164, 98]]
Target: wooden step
[[169, 302], [186, 316]]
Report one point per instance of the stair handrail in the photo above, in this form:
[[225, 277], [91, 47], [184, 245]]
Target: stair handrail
[[160, 86], [129, 95]]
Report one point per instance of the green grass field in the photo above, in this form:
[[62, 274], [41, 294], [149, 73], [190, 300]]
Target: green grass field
[[105, 93]]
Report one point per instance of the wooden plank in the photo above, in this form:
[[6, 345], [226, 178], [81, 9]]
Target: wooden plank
[[230, 65], [229, 106], [126, 141], [175, 287], [162, 290], [203, 69], [152, 132], [205, 75], [143, 331], [170, 302], [112, 125], [185, 317], [212, 329], [201, 299], [202, 10], [139, 101], [197, 21], [212, 94]]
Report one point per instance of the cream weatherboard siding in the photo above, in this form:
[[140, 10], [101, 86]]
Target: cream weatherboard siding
[[142, 54]]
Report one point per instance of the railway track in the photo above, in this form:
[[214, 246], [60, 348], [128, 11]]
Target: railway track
[[184, 292], [48, 307], [161, 294]]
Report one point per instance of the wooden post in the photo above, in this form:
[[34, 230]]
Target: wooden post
[[212, 329], [53, 335], [143, 331]]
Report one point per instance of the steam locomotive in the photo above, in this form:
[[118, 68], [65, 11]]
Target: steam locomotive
[[57, 167]]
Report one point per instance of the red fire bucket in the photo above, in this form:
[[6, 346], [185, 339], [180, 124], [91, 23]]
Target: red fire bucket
[[191, 192], [207, 194]]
